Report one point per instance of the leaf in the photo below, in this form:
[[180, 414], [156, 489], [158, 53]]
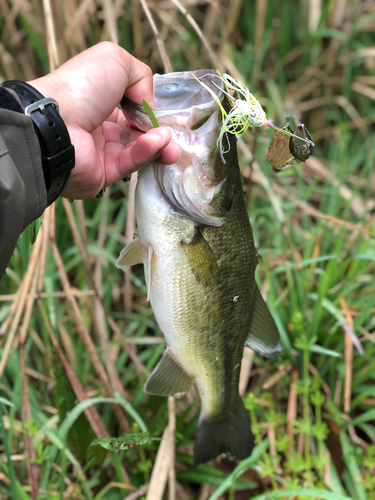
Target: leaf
[[6, 401], [205, 474], [286, 494], [99, 447], [326, 352], [231, 481], [364, 417], [150, 114]]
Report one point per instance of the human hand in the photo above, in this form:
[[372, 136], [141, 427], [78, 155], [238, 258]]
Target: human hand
[[88, 89]]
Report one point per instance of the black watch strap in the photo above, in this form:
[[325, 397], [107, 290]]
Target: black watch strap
[[57, 150]]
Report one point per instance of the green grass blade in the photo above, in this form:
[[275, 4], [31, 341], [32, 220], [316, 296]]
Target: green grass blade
[[301, 492], [150, 114]]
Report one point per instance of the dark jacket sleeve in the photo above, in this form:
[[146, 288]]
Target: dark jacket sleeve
[[23, 196]]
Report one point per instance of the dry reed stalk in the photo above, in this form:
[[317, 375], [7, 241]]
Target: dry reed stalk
[[317, 168], [172, 448], [86, 338], [43, 295], [348, 358], [90, 412], [80, 207], [261, 179], [137, 494], [337, 393], [292, 410], [159, 474], [306, 207], [276, 377], [23, 291], [33, 469], [163, 53], [246, 365], [268, 187], [211, 54], [325, 386], [339, 12], [29, 305], [44, 230], [334, 130], [78, 39], [271, 433], [10, 29], [99, 311], [327, 469], [314, 14], [67, 343], [137, 28], [300, 443], [363, 89], [232, 14], [110, 20], [77, 238], [205, 492], [53, 56], [16, 297], [211, 20], [260, 18], [79, 21], [7, 64], [38, 376], [356, 439], [5, 479]]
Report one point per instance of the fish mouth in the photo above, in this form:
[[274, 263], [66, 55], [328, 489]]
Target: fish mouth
[[177, 91], [193, 116], [180, 100]]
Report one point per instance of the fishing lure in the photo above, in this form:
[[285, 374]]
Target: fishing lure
[[245, 112], [285, 150]]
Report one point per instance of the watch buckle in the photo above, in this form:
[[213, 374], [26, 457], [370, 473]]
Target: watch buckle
[[41, 105]]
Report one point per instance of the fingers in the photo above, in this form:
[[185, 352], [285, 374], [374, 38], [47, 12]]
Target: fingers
[[140, 150], [89, 86]]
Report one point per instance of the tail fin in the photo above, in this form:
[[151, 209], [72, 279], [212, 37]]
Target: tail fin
[[225, 433]]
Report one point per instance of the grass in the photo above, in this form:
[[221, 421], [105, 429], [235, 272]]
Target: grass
[[76, 350]]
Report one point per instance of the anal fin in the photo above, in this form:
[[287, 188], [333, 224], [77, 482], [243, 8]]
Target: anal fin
[[263, 336], [168, 378]]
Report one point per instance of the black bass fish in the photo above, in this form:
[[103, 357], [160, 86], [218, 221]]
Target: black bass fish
[[197, 247]]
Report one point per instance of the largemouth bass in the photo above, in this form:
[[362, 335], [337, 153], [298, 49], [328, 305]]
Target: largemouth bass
[[197, 247]]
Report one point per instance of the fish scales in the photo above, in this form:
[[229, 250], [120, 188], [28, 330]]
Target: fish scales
[[196, 243]]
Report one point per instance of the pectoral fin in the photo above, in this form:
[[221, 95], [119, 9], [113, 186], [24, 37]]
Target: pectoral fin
[[264, 336], [168, 378], [134, 253], [202, 260]]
